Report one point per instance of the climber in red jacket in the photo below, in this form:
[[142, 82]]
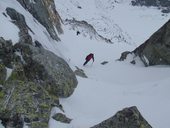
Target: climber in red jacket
[[88, 58]]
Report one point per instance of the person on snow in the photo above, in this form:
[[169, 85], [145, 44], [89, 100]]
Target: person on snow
[[78, 33], [88, 58]]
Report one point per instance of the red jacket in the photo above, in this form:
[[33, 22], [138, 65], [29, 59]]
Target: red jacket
[[89, 57]]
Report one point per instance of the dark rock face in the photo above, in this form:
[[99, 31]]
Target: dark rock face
[[145, 2], [6, 52], [164, 5], [19, 20], [156, 50], [3, 73], [44, 11], [127, 118], [14, 122]]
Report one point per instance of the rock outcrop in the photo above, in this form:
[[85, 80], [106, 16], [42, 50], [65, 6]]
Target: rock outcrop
[[87, 29], [155, 50], [44, 11], [19, 20], [62, 118], [47, 69], [80, 72], [127, 118], [32, 78], [38, 78], [6, 52]]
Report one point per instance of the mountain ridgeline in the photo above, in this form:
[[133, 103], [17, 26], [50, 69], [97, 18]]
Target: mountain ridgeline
[[163, 5]]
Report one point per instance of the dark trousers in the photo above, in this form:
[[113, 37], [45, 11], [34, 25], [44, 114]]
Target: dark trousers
[[86, 62]]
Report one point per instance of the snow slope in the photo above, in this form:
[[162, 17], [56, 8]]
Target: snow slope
[[137, 23], [116, 85]]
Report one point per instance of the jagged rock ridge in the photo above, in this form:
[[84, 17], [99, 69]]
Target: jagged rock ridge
[[44, 11], [164, 5], [87, 29]]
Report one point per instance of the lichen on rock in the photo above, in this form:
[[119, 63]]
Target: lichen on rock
[[126, 118], [3, 73]]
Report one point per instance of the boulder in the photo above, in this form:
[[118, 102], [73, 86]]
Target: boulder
[[104, 62], [46, 68], [38, 79], [62, 118], [126, 118]]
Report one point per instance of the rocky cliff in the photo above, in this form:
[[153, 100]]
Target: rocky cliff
[[37, 79], [44, 11], [32, 78], [155, 50]]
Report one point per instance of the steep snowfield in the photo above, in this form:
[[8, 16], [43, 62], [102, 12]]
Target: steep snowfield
[[116, 85]]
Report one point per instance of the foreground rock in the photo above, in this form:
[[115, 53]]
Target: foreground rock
[[127, 118], [38, 78], [155, 50]]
